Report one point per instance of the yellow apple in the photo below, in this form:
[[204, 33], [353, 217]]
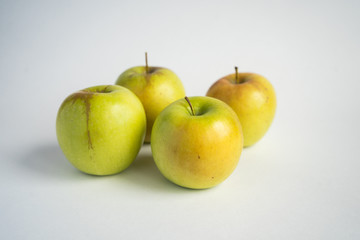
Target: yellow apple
[[197, 144], [253, 99], [101, 129], [156, 87]]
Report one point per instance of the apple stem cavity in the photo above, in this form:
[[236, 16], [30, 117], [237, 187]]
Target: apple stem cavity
[[236, 75], [192, 110], [146, 63]]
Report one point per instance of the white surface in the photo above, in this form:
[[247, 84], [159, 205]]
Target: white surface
[[300, 182]]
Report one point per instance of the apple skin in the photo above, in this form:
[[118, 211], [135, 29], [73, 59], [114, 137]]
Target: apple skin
[[101, 129], [155, 89], [198, 151], [253, 100]]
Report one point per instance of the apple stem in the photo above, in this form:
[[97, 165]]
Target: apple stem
[[236, 75], [192, 110], [146, 63]]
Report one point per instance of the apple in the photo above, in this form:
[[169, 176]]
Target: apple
[[253, 99], [101, 129], [156, 87], [197, 142]]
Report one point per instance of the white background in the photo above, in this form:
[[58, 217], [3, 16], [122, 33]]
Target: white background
[[301, 181]]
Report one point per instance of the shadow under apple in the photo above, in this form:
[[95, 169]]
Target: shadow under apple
[[48, 162], [144, 173]]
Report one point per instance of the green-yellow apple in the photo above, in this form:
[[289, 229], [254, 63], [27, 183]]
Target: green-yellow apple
[[156, 88], [197, 142], [253, 99], [101, 129]]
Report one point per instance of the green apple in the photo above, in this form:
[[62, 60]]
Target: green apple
[[156, 87], [253, 99], [197, 144], [101, 129]]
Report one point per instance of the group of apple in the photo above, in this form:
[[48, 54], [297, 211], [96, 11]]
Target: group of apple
[[196, 142]]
